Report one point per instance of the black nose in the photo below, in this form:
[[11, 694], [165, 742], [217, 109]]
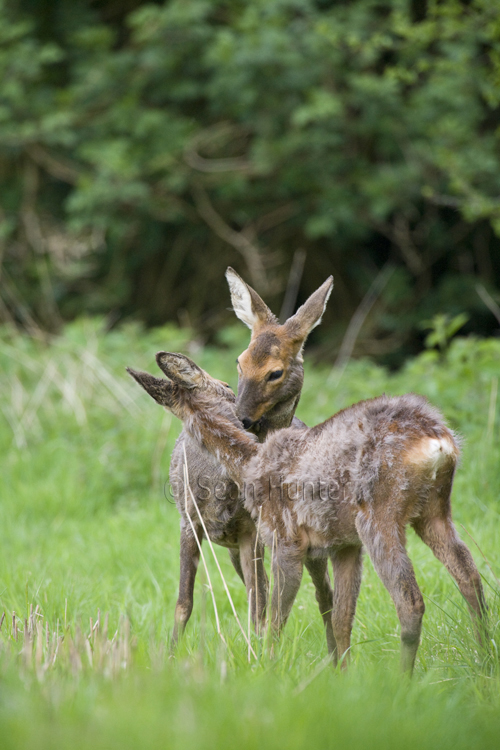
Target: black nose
[[247, 423]]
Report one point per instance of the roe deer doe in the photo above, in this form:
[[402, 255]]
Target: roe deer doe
[[227, 522], [271, 370], [270, 379], [359, 478]]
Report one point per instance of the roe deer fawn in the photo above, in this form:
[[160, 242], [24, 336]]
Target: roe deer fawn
[[359, 478], [228, 523]]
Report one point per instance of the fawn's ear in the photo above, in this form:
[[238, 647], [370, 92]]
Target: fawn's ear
[[309, 315], [247, 304], [158, 388], [181, 369]]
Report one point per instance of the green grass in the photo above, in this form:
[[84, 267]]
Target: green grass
[[85, 528]]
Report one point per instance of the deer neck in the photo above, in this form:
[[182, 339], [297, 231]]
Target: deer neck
[[224, 439], [278, 418]]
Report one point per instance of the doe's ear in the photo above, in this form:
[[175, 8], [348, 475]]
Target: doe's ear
[[158, 388], [309, 315], [181, 369], [247, 304]]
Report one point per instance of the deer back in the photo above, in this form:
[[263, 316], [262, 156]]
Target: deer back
[[384, 452]]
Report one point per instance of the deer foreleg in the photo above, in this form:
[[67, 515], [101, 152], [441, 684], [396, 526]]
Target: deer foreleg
[[189, 559], [255, 578], [234, 556], [287, 575], [347, 567], [318, 570]]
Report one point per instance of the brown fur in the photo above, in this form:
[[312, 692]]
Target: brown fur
[[265, 406], [356, 480], [217, 497], [273, 348]]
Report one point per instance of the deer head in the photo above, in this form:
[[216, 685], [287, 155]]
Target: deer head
[[270, 371], [187, 386], [205, 406]]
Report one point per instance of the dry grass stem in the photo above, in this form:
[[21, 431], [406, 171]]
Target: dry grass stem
[[198, 543], [215, 556], [249, 624], [256, 558], [42, 648], [107, 379]]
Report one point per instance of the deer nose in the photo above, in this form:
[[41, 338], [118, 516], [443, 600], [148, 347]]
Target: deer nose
[[247, 423]]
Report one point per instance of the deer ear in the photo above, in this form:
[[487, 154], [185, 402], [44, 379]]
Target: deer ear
[[180, 369], [247, 304], [309, 315], [158, 388]]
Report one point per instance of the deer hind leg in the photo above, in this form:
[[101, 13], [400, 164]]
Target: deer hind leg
[[190, 557], [347, 566], [287, 575], [439, 533], [251, 559], [386, 547], [318, 570]]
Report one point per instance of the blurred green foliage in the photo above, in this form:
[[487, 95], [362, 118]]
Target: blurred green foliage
[[442, 329], [146, 146]]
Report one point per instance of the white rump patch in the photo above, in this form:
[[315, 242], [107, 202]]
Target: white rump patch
[[431, 453]]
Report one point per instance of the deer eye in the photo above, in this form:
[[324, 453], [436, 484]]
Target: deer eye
[[275, 375]]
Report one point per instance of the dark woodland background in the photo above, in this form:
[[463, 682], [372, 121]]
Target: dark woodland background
[[146, 146]]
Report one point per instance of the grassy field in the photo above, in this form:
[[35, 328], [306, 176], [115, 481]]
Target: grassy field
[[89, 565]]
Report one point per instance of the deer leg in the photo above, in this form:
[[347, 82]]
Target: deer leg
[[190, 557], [386, 547], [287, 575], [347, 567], [440, 535], [255, 578], [234, 556], [318, 570]]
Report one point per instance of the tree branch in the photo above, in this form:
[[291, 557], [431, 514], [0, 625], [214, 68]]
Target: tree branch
[[61, 170], [238, 240]]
